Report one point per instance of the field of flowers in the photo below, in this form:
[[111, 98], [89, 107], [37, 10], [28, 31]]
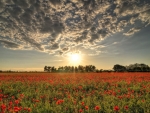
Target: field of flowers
[[75, 92]]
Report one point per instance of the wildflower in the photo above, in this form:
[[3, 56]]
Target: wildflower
[[86, 107], [143, 100], [16, 109], [80, 110], [9, 109], [82, 103], [74, 102], [116, 108], [55, 99], [97, 108], [126, 107], [60, 101], [3, 107], [16, 101], [21, 95], [25, 108], [29, 109], [10, 103], [12, 97], [80, 87], [68, 96], [37, 101]]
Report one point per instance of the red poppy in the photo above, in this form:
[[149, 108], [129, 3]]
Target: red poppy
[[3, 107], [126, 107], [10, 103], [29, 109], [97, 108], [116, 108], [16, 109], [60, 101], [80, 110], [16, 101], [82, 103], [86, 107]]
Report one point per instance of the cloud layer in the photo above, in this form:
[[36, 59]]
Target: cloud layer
[[58, 25]]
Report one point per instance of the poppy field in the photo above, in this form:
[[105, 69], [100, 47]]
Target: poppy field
[[75, 92]]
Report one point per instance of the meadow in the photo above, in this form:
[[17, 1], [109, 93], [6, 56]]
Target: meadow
[[75, 92]]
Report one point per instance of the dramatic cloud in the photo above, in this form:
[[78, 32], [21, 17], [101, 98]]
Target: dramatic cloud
[[54, 26]]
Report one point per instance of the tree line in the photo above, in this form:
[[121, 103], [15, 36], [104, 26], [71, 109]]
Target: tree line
[[91, 68], [80, 68], [132, 68]]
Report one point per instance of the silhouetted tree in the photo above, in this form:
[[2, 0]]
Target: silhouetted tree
[[49, 69], [45, 68], [81, 68], [87, 68], [53, 69], [138, 68], [60, 69], [119, 68], [72, 69], [93, 68], [97, 70], [76, 69]]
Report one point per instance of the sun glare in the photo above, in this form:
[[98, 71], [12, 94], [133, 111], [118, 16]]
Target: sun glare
[[75, 58]]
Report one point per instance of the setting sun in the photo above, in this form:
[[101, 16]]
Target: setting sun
[[75, 58]]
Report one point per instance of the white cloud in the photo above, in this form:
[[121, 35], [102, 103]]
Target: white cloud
[[132, 31], [58, 60]]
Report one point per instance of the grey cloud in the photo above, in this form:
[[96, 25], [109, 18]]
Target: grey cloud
[[21, 3], [2, 5], [54, 46], [83, 37], [65, 49], [33, 43], [103, 33], [45, 25], [26, 19], [94, 37], [10, 45], [14, 10], [60, 53]]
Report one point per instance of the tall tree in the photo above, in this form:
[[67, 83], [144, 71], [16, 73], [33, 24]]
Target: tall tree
[[49, 69], [45, 68]]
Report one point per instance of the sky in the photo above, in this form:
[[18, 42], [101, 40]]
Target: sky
[[35, 33]]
